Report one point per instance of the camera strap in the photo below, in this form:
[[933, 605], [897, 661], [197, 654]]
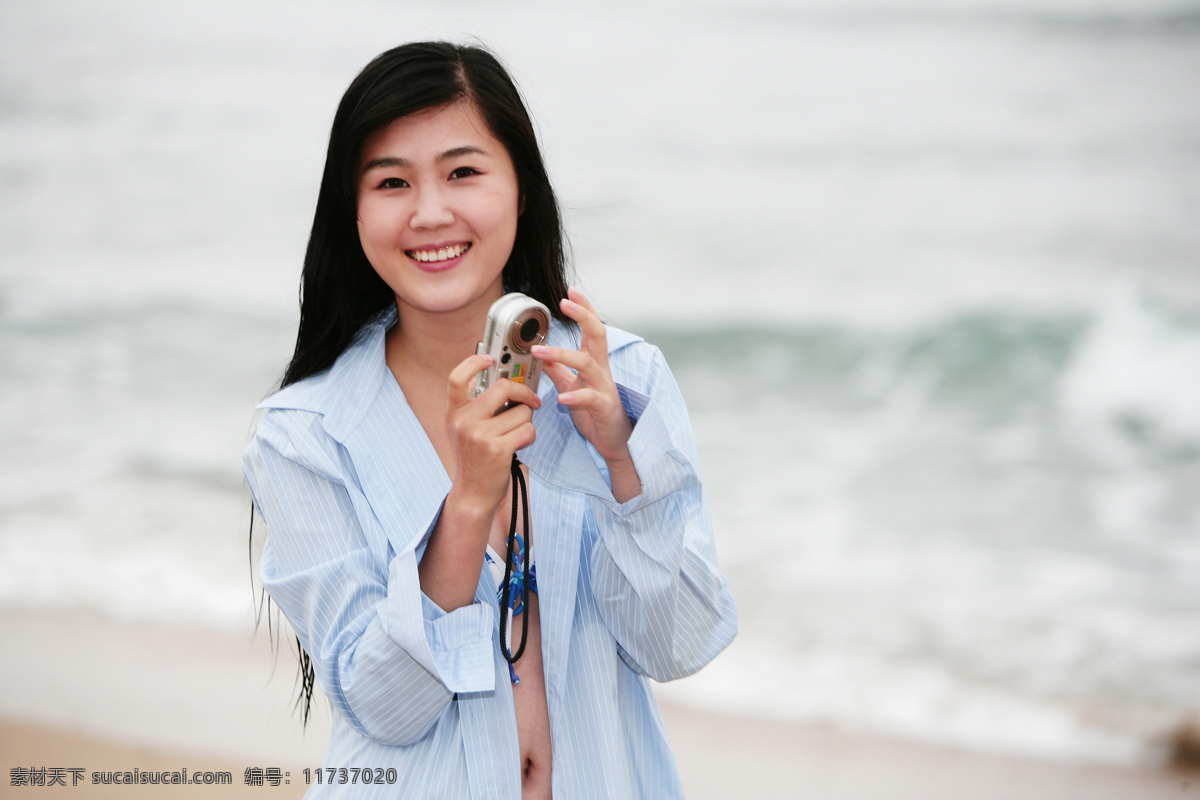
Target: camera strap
[[517, 549]]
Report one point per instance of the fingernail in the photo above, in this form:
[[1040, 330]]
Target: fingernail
[[539, 349], [566, 398]]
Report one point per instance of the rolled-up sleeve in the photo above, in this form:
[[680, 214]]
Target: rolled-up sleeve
[[382, 651], [653, 560]]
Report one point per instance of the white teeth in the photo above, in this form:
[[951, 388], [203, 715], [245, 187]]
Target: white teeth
[[441, 254]]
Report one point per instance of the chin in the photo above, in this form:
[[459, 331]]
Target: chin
[[452, 299]]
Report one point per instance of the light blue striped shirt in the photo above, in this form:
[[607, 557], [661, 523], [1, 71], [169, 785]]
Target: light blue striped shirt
[[350, 488]]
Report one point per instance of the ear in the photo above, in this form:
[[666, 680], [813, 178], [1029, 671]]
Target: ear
[[521, 205]]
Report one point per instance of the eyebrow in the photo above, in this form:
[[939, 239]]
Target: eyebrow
[[396, 161]]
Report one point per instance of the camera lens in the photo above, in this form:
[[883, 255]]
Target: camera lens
[[529, 330], [527, 326]]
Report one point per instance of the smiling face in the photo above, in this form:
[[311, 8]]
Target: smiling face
[[438, 203]]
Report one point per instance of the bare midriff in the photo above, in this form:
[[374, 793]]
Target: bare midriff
[[529, 696]]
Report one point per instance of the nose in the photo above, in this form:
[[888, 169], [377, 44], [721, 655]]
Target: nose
[[432, 209]]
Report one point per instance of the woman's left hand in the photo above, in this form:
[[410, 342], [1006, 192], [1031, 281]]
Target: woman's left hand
[[589, 391]]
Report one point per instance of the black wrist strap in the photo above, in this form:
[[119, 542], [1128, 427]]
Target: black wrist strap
[[520, 493]]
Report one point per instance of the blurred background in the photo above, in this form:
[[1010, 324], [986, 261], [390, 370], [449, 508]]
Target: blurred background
[[928, 273]]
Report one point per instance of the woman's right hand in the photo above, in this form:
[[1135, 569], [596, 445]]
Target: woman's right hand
[[484, 441]]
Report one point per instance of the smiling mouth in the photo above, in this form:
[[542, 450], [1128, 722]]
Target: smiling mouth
[[440, 254]]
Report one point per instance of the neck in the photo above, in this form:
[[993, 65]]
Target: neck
[[428, 345]]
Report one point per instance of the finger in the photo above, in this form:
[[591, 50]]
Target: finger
[[591, 400], [575, 295], [502, 422], [561, 376], [519, 437], [506, 391], [585, 315], [487, 435], [582, 362], [585, 397], [462, 378], [594, 336]]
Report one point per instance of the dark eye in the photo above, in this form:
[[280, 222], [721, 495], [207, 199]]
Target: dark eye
[[392, 183], [464, 172]]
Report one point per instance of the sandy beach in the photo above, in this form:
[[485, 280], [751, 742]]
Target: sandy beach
[[82, 691]]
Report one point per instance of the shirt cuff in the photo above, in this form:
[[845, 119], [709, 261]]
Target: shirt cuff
[[634, 402], [461, 644], [455, 647], [661, 468]]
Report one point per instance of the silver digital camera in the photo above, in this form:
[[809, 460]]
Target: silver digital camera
[[515, 323]]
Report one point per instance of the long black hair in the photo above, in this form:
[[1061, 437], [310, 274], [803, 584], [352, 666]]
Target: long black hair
[[339, 289]]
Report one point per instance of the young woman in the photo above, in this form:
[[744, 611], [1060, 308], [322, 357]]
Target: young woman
[[387, 488]]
